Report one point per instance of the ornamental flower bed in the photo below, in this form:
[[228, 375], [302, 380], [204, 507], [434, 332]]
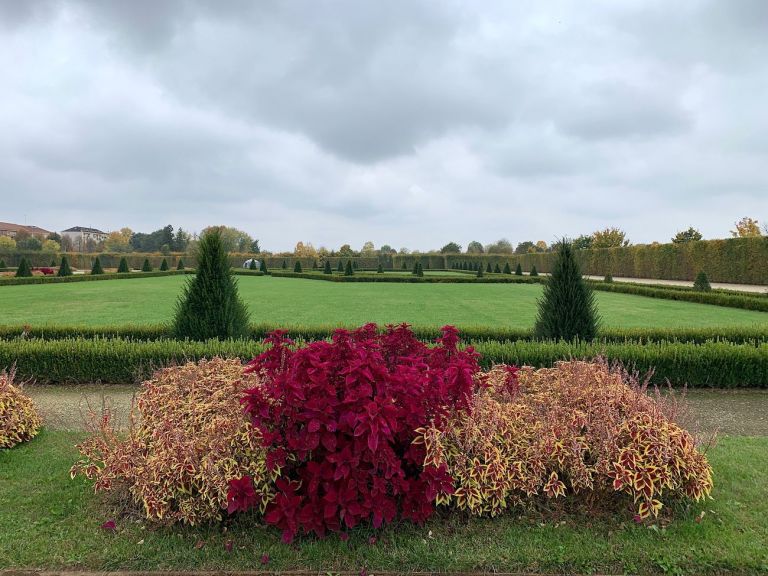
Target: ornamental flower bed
[[19, 420], [371, 427]]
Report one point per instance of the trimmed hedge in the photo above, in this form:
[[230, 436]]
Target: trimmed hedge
[[373, 277], [75, 360], [87, 277]]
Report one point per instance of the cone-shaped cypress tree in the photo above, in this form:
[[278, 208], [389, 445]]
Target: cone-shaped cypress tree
[[122, 268], [340, 267], [567, 309], [2, 264], [314, 264], [608, 278], [96, 268], [507, 269], [252, 264], [701, 284], [380, 270], [488, 268], [429, 266], [480, 272], [419, 270], [497, 269], [180, 265], [415, 268], [285, 265], [64, 269], [146, 267], [263, 266], [53, 263], [164, 265], [404, 266], [297, 267], [24, 270], [348, 271], [534, 272], [210, 306], [327, 267], [518, 270], [354, 265]]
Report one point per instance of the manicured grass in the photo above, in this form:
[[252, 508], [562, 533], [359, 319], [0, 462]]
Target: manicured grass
[[287, 301], [50, 521]]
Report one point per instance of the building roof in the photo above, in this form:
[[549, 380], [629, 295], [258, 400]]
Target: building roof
[[84, 229], [33, 230]]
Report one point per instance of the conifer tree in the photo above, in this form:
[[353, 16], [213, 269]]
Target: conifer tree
[[263, 266], [2, 264], [340, 267], [53, 263], [415, 270], [164, 265], [122, 268], [480, 272], [404, 266], [567, 309], [354, 264], [297, 267], [488, 268], [701, 284], [64, 269], [285, 265], [180, 265], [348, 271], [497, 269], [314, 264], [507, 269], [24, 270], [252, 264], [96, 268], [419, 270], [518, 270], [210, 306], [146, 267], [608, 278], [327, 267], [380, 270], [534, 272]]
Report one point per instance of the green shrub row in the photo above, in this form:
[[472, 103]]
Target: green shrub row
[[735, 334], [12, 281], [407, 278], [77, 360]]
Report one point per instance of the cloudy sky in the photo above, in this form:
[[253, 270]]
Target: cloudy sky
[[405, 122]]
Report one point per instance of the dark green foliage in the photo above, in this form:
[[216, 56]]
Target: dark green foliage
[[340, 267], [297, 267], [428, 265], [327, 267], [96, 268], [122, 268], [488, 268], [534, 272], [64, 269], [567, 309], [285, 265], [608, 278], [252, 265], [701, 284], [164, 265], [419, 270], [518, 270], [3, 266], [180, 265], [380, 269], [24, 270], [497, 269], [480, 272], [404, 266], [415, 268], [263, 265], [210, 306], [314, 264], [507, 269], [348, 271], [354, 265], [52, 264], [146, 267]]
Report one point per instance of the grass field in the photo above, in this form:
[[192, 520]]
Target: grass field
[[288, 301], [56, 524]]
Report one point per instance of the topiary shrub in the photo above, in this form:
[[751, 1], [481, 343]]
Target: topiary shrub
[[518, 270], [180, 265], [567, 309], [581, 432], [96, 269], [285, 265], [701, 284], [348, 271], [339, 439], [122, 268], [53, 263], [380, 269], [340, 267], [507, 269], [164, 265], [252, 264], [188, 440], [533, 271], [24, 270], [415, 270], [19, 420], [488, 268], [263, 265], [64, 269], [404, 266], [146, 267], [497, 269], [419, 270], [314, 264], [210, 306], [327, 267], [480, 273], [354, 264], [297, 267], [2, 265], [608, 278]]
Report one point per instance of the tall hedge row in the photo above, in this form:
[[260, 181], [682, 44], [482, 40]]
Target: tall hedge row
[[117, 360]]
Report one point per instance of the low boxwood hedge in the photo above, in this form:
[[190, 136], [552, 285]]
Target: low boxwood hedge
[[119, 360]]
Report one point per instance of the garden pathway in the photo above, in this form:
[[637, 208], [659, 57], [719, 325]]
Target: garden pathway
[[727, 412], [756, 288]]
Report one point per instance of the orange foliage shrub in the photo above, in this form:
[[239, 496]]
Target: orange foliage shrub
[[19, 420], [188, 438], [580, 428]]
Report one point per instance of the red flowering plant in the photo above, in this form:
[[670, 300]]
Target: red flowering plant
[[338, 421]]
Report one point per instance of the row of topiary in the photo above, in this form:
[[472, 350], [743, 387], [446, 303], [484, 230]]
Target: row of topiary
[[24, 270], [370, 428]]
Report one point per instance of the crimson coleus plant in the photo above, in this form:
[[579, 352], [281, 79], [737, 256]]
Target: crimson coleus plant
[[338, 419]]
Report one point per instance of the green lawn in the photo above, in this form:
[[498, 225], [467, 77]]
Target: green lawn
[[50, 521], [289, 301]]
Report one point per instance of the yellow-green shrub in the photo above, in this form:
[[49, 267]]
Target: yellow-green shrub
[[188, 438], [578, 429], [19, 420]]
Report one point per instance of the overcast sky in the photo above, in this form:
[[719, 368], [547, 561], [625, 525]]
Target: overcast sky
[[403, 122]]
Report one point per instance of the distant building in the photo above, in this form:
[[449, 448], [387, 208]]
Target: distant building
[[81, 236], [11, 230]]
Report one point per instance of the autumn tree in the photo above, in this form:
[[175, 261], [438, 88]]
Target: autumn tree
[[475, 247], [746, 228], [609, 238], [502, 246], [369, 250], [119, 240], [583, 242], [690, 235]]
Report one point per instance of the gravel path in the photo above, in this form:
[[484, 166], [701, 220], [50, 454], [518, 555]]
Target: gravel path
[[728, 412], [736, 287]]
